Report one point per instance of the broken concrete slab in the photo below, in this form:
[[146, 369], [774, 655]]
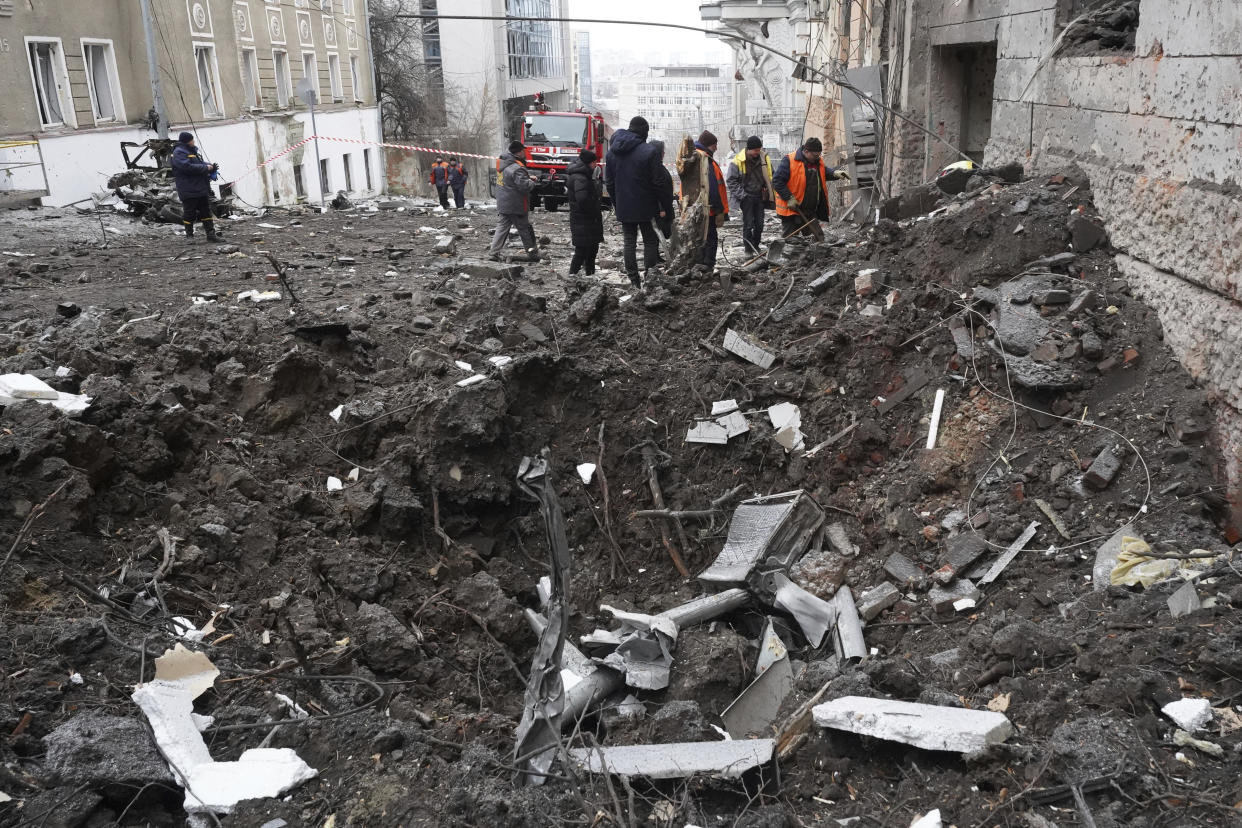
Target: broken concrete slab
[[903, 570], [792, 308], [1041, 376], [779, 526], [728, 759], [749, 349], [877, 599], [840, 541], [96, 749], [589, 304], [821, 284], [960, 552], [927, 726], [489, 270]]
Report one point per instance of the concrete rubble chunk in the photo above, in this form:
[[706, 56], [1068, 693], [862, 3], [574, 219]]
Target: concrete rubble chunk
[[446, 245], [1085, 234], [960, 552], [749, 349], [1103, 469], [706, 431], [96, 749], [864, 282], [1041, 376], [821, 284], [961, 339], [792, 308], [778, 526], [840, 541], [1051, 297], [957, 596], [728, 759], [903, 570], [877, 599], [1189, 714], [927, 726]]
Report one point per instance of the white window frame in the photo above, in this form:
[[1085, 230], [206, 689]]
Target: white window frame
[[248, 60], [215, 78], [314, 76], [334, 77], [353, 77], [114, 78], [64, 97], [284, 90], [325, 6]]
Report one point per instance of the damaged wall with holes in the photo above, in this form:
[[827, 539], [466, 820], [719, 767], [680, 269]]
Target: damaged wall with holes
[[1143, 96]]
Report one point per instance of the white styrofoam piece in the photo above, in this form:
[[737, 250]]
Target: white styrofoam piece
[[931, 819], [934, 430], [586, 471], [465, 366], [26, 387], [334, 484], [928, 726], [723, 407], [468, 381], [336, 413], [257, 774], [1189, 714]]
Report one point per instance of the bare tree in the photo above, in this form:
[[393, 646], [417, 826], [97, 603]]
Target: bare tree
[[409, 88]]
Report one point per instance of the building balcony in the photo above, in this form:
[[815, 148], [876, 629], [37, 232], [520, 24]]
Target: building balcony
[[726, 11]]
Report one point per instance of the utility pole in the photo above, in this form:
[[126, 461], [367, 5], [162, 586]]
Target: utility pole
[[153, 69]]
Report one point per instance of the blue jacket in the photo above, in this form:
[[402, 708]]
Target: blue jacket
[[457, 177], [631, 172], [192, 173]]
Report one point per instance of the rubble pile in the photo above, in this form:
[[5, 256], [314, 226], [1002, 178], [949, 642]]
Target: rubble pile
[[916, 525]]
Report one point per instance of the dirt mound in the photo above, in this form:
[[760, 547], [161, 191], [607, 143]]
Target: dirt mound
[[347, 512]]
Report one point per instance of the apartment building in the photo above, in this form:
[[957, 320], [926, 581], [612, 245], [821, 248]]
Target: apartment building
[[680, 100], [76, 84]]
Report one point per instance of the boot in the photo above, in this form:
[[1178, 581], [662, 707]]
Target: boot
[[189, 232], [636, 281], [212, 235]]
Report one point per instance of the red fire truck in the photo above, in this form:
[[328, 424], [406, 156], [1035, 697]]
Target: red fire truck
[[553, 140]]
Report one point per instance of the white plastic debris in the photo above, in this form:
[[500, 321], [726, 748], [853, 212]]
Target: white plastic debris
[[1189, 714], [734, 423], [5, 797], [26, 387], [64, 371], [270, 226], [723, 407], [335, 484], [705, 431], [787, 420], [336, 413], [185, 628], [931, 819], [934, 430], [465, 366], [469, 381], [500, 361], [586, 471], [168, 702], [729, 759], [353, 474], [259, 295]]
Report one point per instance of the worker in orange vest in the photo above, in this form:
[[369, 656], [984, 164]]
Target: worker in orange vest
[[440, 179], [801, 184], [717, 198]]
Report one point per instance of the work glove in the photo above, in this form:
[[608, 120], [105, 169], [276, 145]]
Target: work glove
[[841, 175], [721, 218], [793, 202]]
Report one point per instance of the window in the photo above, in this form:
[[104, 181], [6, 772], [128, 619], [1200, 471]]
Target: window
[[47, 71], [310, 71], [334, 77], [250, 78], [209, 93], [299, 182], [324, 184], [284, 89], [325, 6], [348, 6], [366, 167], [353, 78], [101, 81], [534, 45], [346, 163]]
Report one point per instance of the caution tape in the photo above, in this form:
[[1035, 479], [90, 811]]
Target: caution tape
[[304, 141]]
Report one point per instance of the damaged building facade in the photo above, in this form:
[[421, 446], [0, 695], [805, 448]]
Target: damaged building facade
[[1150, 112], [76, 85]]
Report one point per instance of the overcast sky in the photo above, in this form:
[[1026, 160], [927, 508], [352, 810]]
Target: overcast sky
[[644, 39]]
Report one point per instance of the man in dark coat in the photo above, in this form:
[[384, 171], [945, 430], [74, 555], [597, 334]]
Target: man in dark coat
[[586, 219], [440, 179], [513, 201], [193, 178], [457, 176], [664, 194], [632, 173]]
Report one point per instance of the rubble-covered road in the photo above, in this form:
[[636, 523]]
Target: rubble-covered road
[[324, 486]]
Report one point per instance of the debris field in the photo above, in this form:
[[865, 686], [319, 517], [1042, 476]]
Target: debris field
[[339, 523]]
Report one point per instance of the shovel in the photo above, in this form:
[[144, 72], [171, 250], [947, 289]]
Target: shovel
[[812, 224]]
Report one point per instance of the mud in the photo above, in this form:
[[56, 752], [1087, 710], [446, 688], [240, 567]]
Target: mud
[[391, 610]]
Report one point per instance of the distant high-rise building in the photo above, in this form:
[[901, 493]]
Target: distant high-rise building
[[681, 100], [582, 48]]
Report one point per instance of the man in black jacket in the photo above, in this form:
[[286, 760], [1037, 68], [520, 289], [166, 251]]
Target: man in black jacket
[[632, 175], [193, 177]]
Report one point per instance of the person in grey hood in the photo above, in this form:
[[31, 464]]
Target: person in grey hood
[[632, 175], [513, 201]]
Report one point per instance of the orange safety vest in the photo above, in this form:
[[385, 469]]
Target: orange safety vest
[[797, 184], [720, 184], [433, 172]]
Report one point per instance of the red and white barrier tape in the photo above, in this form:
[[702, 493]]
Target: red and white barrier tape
[[408, 147]]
